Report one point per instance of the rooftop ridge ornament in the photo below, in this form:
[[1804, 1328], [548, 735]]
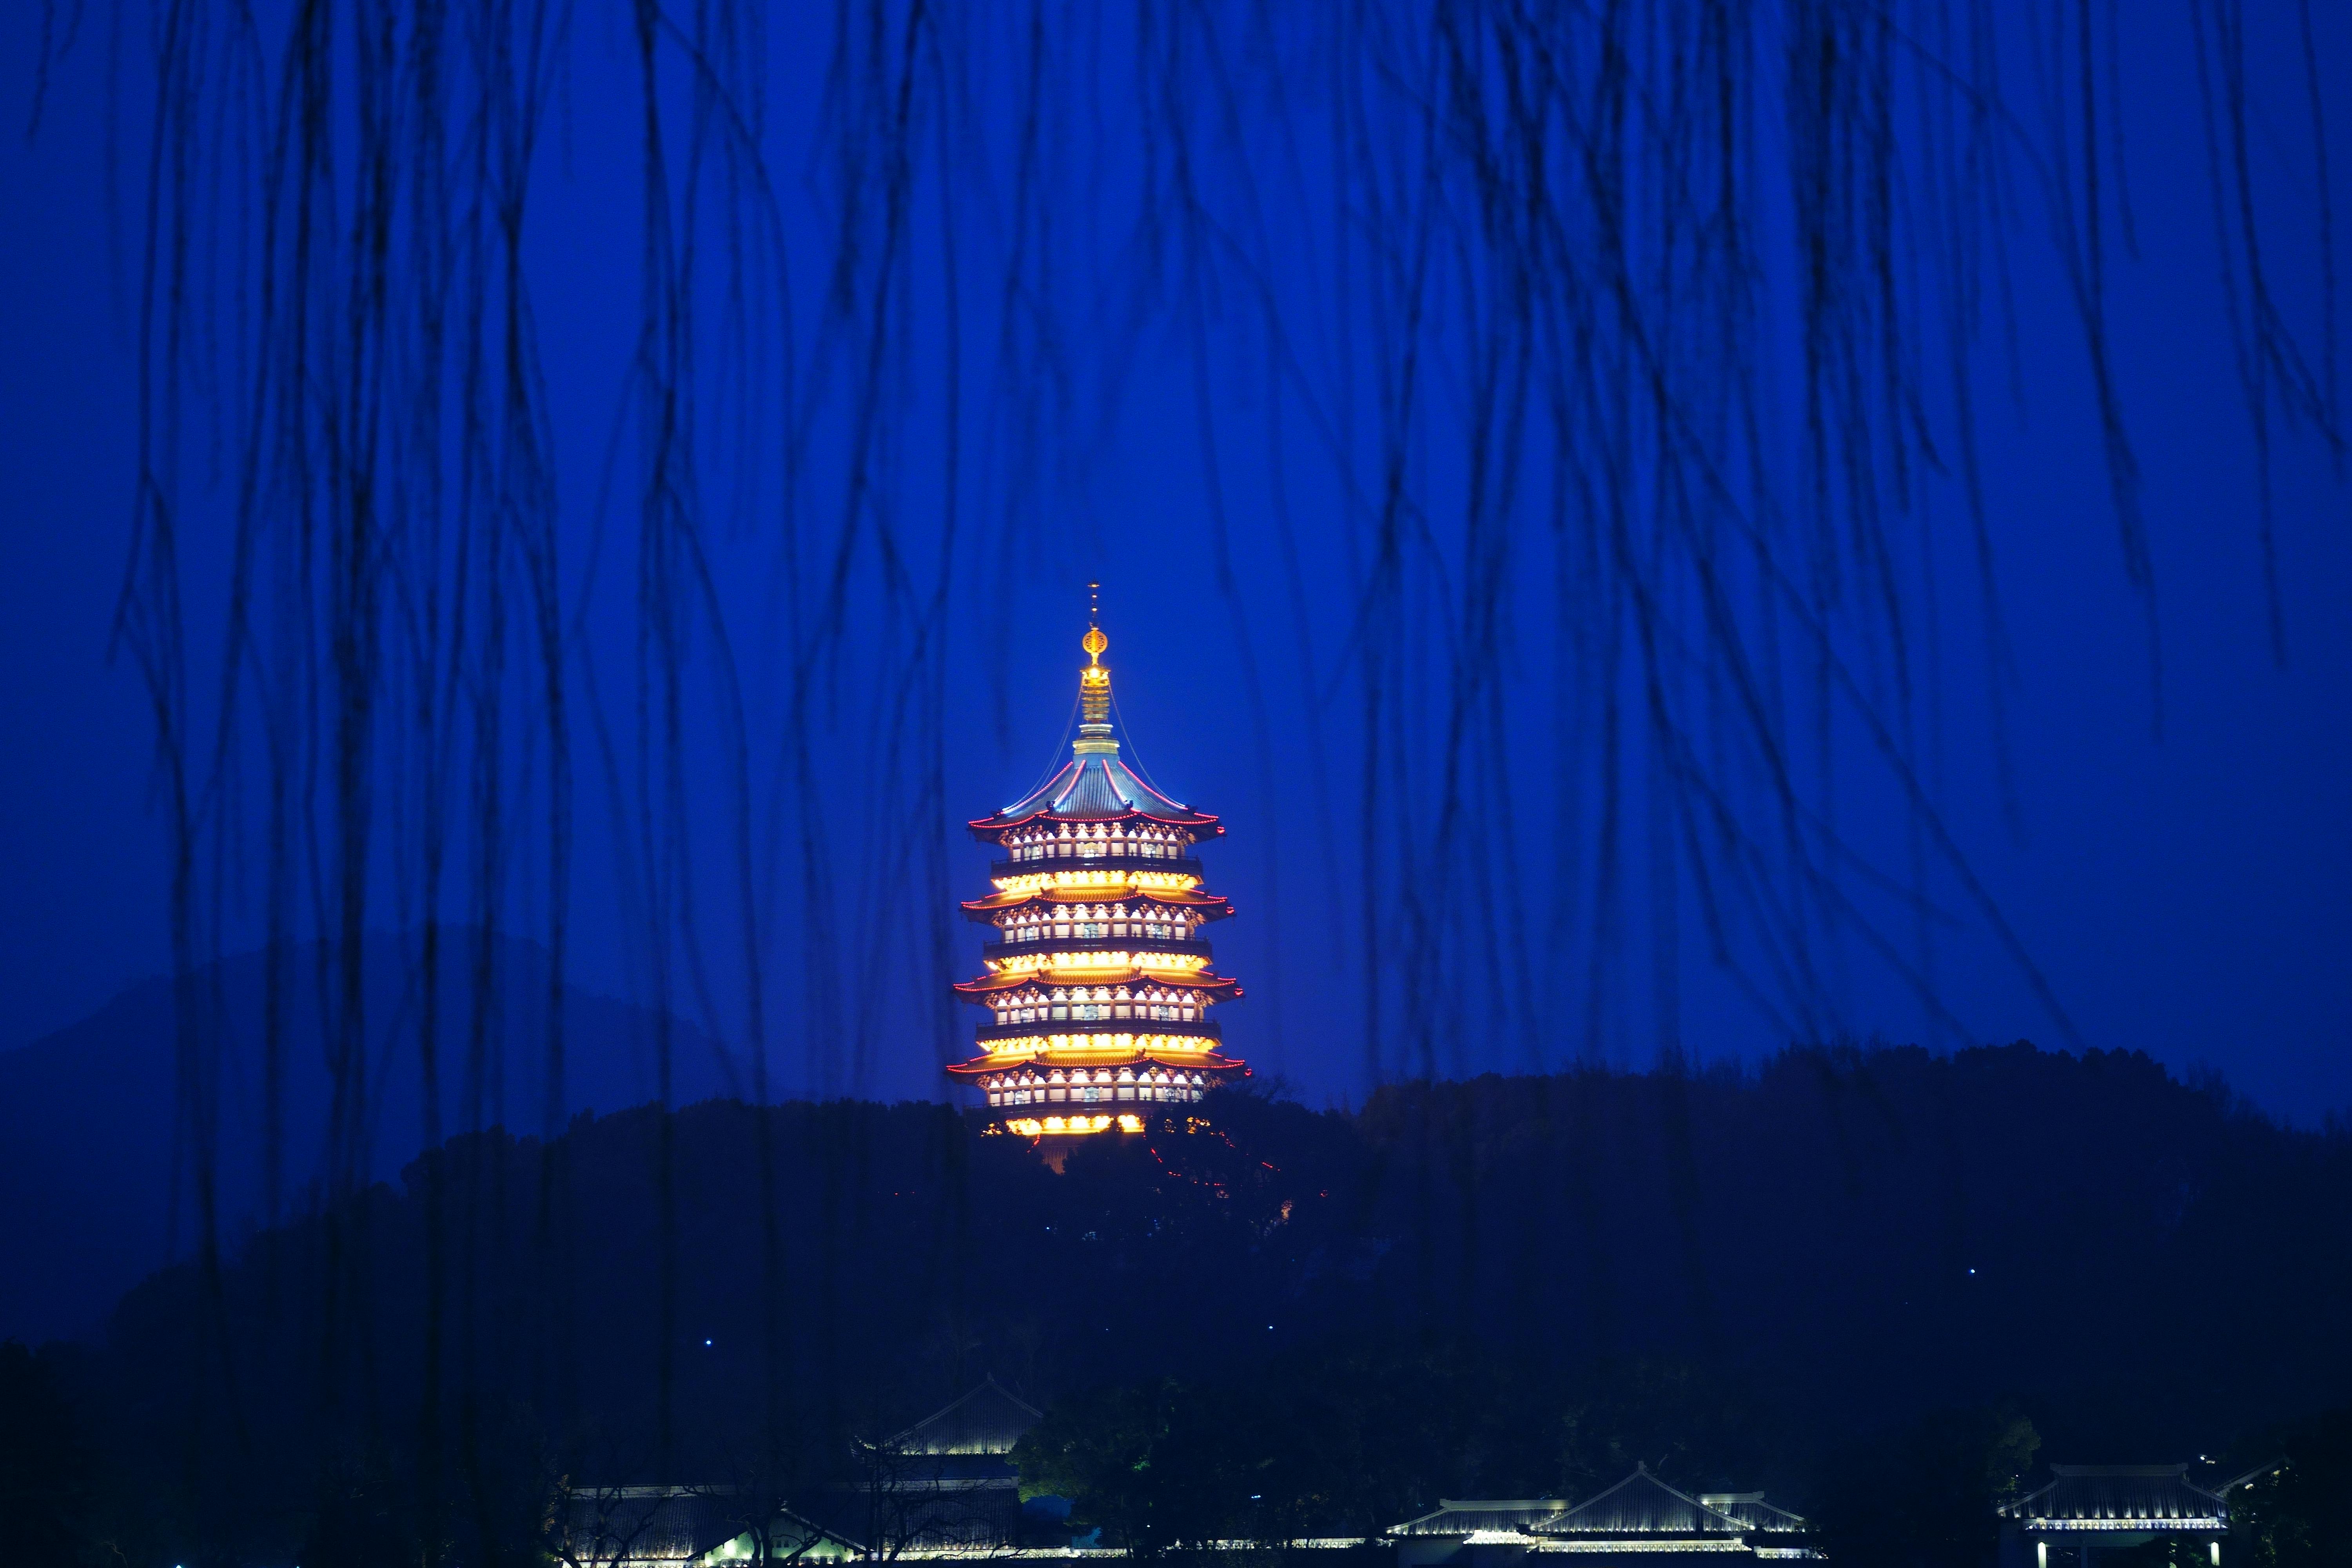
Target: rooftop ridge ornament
[[1097, 979]]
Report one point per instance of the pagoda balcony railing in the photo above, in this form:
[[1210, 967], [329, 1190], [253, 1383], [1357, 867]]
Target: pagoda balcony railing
[[1186, 865], [1095, 944], [1197, 1030]]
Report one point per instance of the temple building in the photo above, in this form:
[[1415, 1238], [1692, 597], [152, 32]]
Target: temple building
[[2087, 1509], [946, 1485], [1098, 979], [1641, 1519]]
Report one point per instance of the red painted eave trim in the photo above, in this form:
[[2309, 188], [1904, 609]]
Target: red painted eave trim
[[1165, 1058]]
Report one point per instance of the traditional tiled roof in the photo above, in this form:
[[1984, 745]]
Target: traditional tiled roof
[[988, 1420], [1096, 788], [1640, 1505], [1456, 1517], [2120, 1497], [1753, 1512]]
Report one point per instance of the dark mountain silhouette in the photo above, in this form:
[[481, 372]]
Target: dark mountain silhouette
[[96, 1148], [1835, 1244], [1847, 1276]]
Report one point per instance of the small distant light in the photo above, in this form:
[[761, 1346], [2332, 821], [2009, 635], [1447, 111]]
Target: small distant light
[[706, 1344], [1255, 1497], [1972, 1272]]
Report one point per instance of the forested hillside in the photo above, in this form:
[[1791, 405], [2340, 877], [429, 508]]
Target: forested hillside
[[1508, 1285]]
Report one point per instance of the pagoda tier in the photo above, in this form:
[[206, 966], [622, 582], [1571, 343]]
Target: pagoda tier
[[1097, 976]]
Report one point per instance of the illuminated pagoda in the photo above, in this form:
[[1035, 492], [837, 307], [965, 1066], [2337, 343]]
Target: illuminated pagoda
[[1098, 985]]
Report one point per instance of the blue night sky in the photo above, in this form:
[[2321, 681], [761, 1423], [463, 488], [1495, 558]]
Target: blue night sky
[[2185, 891]]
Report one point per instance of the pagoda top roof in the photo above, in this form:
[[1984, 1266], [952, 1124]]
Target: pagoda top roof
[[2103, 1497], [1095, 786]]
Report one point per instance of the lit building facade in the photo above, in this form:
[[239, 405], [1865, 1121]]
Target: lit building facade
[[1641, 1519], [1098, 979]]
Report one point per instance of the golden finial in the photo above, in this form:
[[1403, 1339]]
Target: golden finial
[[1093, 642], [1094, 680]]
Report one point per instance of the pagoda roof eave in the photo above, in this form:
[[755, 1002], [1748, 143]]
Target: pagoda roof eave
[[1094, 1059], [1177, 898], [1094, 787], [1130, 976], [1203, 824]]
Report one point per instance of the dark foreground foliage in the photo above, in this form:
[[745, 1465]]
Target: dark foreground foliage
[[49, 1476], [1871, 1282]]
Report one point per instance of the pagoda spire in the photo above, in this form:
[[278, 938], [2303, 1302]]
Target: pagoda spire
[[1094, 684]]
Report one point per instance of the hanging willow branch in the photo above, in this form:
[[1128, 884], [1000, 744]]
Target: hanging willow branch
[[1644, 340]]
